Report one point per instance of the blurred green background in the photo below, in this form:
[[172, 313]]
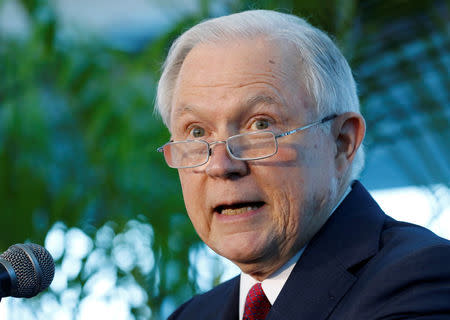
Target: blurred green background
[[78, 167]]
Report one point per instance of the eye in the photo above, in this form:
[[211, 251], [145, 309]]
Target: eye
[[197, 132], [260, 124]]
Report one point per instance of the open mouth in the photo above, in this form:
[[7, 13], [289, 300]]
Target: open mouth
[[238, 208]]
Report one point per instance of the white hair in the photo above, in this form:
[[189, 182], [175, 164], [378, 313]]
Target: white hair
[[328, 77]]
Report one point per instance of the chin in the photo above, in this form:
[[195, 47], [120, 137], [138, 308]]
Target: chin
[[245, 254]]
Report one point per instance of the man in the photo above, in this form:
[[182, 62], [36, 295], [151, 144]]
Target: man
[[266, 136]]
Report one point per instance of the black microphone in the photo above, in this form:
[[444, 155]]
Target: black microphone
[[25, 270]]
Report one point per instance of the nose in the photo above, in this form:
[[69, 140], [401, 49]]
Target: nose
[[222, 165]]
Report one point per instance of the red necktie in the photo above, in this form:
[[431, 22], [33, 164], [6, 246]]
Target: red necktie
[[257, 306]]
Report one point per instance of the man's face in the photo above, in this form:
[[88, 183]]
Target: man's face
[[259, 213]]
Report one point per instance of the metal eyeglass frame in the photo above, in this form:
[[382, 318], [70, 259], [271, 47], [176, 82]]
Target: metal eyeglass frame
[[210, 144]]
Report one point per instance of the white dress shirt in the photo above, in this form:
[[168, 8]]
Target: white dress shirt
[[275, 282]]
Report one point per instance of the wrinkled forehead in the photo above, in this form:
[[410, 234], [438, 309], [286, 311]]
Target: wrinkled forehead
[[240, 64]]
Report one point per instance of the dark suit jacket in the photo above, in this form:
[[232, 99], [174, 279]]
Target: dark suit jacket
[[361, 265]]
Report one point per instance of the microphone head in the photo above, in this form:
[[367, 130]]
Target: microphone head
[[33, 266]]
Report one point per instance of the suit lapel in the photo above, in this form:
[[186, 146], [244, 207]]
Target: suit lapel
[[321, 277], [230, 306]]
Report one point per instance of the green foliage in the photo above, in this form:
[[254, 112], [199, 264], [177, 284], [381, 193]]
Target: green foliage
[[77, 145]]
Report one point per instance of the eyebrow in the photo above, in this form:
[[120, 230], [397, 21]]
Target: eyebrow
[[261, 99], [251, 102], [184, 110], [261, 102]]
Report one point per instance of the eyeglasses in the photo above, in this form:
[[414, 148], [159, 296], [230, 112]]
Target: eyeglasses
[[246, 146]]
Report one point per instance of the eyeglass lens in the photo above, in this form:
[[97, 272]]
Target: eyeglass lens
[[252, 145], [186, 153]]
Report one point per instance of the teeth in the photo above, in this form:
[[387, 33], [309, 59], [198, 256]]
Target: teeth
[[234, 212]]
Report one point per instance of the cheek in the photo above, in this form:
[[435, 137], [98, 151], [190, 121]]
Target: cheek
[[186, 188], [298, 181], [288, 213], [190, 195], [291, 154], [287, 194], [194, 199], [188, 183]]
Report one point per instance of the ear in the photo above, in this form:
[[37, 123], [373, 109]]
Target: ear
[[348, 131]]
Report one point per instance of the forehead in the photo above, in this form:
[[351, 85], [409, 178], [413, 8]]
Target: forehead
[[225, 74]]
